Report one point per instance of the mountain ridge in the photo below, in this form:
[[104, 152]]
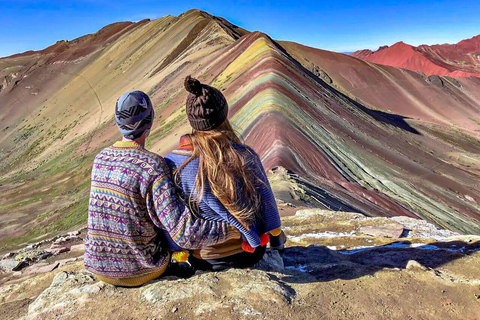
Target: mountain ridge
[[321, 115], [455, 60]]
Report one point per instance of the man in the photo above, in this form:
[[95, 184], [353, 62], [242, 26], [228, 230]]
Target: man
[[132, 197]]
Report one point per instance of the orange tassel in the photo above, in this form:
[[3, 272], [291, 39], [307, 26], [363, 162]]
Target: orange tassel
[[247, 247], [264, 239]]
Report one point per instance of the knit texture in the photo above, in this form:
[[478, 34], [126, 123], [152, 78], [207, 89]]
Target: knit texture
[[134, 114], [133, 205], [206, 106], [211, 209]]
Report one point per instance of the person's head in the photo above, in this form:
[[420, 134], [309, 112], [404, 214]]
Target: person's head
[[220, 163], [134, 115]]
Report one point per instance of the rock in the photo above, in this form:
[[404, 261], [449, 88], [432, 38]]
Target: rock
[[391, 230], [45, 255], [44, 269], [32, 255], [469, 198], [415, 265], [175, 309], [8, 255], [31, 246], [423, 229], [435, 80], [256, 288], [66, 292], [322, 74], [65, 240], [11, 264], [78, 247], [57, 251], [20, 266], [66, 261], [271, 261]]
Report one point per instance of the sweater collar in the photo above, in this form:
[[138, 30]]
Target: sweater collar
[[186, 143], [127, 144]]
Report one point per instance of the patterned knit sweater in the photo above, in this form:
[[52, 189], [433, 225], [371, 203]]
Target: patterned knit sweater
[[132, 205], [210, 207]]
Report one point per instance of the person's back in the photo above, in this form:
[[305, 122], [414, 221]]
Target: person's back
[[133, 205], [210, 208], [122, 238], [223, 180]]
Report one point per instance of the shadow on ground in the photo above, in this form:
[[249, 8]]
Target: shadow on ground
[[318, 263]]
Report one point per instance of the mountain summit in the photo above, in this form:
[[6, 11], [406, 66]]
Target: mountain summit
[[351, 135], [455, 60]]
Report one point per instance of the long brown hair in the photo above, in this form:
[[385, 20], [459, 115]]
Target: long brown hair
[[224, 168]]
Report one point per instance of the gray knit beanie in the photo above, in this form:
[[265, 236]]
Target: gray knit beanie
[[134, 114]]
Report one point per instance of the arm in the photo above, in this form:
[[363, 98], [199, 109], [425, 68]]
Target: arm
[[169, 213], [269, 206]]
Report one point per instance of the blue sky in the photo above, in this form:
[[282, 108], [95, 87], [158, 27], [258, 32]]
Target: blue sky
[[335, 25]]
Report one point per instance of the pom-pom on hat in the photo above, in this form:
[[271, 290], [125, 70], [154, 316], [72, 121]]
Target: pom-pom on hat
[[206, 106]]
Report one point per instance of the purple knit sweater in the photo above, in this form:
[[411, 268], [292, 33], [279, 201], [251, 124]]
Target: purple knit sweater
[[132, 198]]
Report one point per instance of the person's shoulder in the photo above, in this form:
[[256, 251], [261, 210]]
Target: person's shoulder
[[104, 152], [155, 159], [177, 157], [153, 156], [246, 150]]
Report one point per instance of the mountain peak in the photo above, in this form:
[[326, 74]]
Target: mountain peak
[[455, 60]]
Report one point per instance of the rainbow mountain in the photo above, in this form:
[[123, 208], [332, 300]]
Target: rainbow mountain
[[350, 134]]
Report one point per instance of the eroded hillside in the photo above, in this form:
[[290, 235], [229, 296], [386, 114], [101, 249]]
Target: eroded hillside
[[345, 145]]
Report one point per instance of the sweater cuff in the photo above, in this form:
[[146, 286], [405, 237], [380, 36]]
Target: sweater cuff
[[276, 232]]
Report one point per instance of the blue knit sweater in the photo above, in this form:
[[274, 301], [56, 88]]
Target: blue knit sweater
[[211, 209]]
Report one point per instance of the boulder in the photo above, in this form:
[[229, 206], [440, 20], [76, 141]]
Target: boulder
[[66, 261], [66, 292], [57, 251], [415, 265], [32, 255], [12, 264], [391, 230], [8, 255], [44, 269], [80, 246], [213, 287], [271, 261]]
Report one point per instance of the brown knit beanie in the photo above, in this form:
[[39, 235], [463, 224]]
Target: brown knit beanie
[[207, 108]]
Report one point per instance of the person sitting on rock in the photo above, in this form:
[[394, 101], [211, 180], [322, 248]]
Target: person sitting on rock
[[222, 179], [133, 204]]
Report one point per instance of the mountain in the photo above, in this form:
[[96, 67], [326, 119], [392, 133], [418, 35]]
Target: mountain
[[455, 60], [338, 133]]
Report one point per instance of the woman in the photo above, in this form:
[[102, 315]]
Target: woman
[[223, 180]]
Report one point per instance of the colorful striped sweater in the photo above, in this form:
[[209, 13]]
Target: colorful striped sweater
[[211, 209], [132, 206]]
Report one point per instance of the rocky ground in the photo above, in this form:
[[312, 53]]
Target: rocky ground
[[336, 265]]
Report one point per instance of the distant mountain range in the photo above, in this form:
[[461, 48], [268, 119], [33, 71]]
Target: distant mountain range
[[456, 60], [354, 135]]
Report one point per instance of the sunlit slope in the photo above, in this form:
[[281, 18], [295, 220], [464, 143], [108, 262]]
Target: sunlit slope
[[345, 152], [456, 60], [435, 99], [372, 163], [49, 138]]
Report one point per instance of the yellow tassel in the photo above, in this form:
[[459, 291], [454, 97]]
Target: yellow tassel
[[180, 256], [276, 232]]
